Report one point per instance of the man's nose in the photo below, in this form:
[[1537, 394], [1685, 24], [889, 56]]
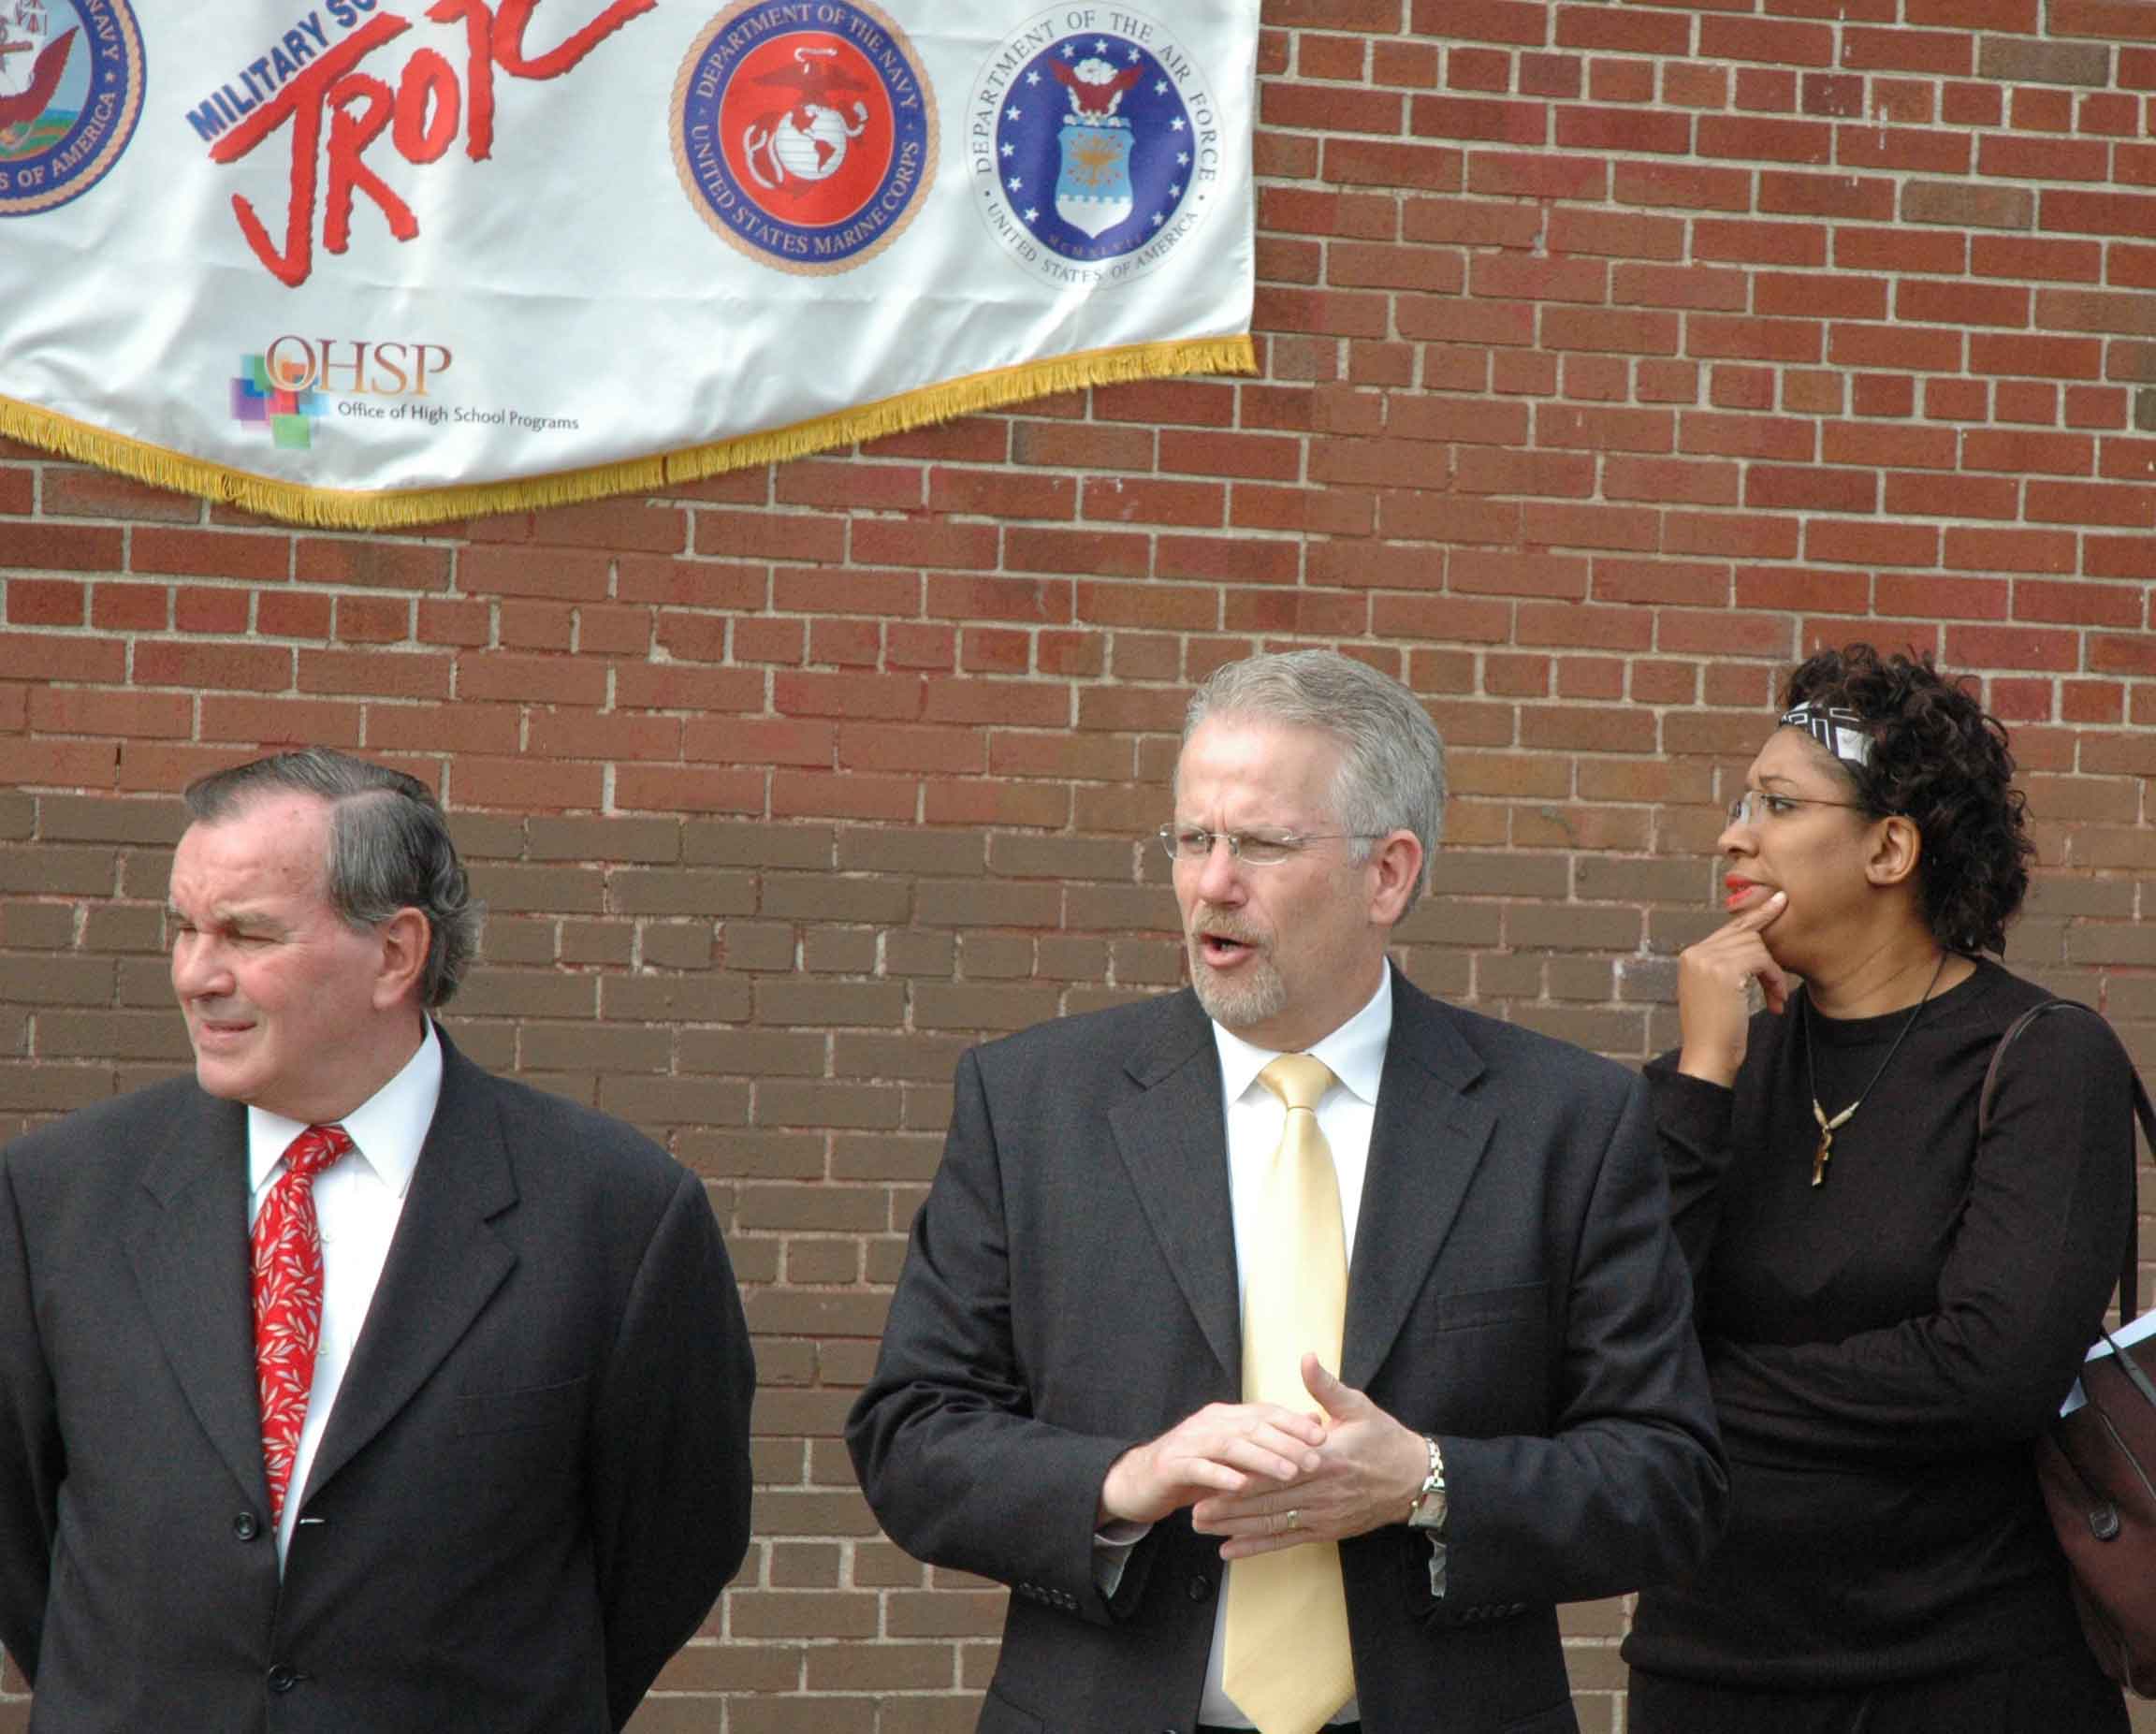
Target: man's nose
[[197, 971], [1220, 874]]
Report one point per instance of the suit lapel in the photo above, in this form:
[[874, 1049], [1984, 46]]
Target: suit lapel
[[1424, 1146], [1171, 1139], [445, 1263], [187, 1244]]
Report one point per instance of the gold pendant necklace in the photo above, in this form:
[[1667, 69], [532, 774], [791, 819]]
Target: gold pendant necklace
[[1828, 1128], [1827, 1131]]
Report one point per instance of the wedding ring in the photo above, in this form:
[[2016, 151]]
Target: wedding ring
[[1294, 1519]]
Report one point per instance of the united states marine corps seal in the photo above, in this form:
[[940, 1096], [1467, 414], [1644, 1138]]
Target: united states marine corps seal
[[1094, 153], [804, 131], [70, 94]]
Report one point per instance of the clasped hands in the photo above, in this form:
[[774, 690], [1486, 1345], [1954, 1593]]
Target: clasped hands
[[1268, 1478]]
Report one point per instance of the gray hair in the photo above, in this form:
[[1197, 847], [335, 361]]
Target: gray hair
[[389, 847], [1392, 759]]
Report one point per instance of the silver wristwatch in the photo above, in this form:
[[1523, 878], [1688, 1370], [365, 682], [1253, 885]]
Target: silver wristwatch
[[1428, 1509]]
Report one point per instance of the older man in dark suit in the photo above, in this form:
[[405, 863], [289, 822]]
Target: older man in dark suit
[[345, 1386], [1293, 1345]]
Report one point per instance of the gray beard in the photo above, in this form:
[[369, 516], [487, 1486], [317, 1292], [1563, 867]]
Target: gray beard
[[1258, 993]]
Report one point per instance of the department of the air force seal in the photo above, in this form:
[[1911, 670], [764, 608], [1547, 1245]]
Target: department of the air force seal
[[804, 131], [1095, 154], [71, 93]]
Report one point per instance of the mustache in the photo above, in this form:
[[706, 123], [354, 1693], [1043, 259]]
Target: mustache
[[1221, 924]]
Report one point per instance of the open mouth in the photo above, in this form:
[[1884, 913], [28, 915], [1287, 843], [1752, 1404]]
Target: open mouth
[[1218, 949]]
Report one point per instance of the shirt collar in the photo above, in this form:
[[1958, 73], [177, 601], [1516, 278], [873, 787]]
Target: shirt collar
[[386, 1130], [1355, 1051]]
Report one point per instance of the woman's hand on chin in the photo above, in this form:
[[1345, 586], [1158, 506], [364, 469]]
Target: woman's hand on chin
[[1713, 983]]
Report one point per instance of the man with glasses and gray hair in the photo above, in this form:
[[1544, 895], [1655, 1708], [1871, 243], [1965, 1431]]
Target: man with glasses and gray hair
[[345, 1385], [1293, 1344]]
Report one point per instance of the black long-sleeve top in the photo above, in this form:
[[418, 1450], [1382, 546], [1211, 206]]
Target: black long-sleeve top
[[1885, 1348]]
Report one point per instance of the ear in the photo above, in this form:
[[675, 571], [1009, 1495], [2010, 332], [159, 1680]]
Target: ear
[[1396, 865], [405, 938], [1897, 848]]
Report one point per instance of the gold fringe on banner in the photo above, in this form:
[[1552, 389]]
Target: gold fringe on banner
[[333, 508]]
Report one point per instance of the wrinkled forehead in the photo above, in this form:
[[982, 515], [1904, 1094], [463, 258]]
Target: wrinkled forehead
[[1256, 770], [272, 845]]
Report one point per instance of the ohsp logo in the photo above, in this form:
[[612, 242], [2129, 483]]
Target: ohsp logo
[[355, 365]]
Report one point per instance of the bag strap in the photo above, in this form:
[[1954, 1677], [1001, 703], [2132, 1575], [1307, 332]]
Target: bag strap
[[2130, 1271]]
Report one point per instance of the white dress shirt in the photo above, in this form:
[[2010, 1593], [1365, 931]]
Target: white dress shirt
[[357, 1200], [1255, 1118]]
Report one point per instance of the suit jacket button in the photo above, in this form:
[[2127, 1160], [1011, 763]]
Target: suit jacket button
[[246, 1526], [1198, 1588], [283, 1679]]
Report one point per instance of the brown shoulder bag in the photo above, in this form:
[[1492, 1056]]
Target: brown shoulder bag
[[2097, 1466]]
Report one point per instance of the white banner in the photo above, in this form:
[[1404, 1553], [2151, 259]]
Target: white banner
[[363, 262]]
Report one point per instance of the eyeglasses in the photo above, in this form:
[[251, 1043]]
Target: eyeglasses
[[1188, 843], [1746, 807]]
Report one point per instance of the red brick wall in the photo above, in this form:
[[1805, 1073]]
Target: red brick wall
[[1613, 356]]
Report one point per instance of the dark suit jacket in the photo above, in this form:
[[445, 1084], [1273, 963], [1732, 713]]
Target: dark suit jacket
[[533, 1484], [1514, 1287]]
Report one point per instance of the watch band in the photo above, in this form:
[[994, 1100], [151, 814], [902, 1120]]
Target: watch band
[[1428, 1509]]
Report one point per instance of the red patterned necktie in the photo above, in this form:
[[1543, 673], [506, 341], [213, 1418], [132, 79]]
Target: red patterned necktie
[[288, 1301]]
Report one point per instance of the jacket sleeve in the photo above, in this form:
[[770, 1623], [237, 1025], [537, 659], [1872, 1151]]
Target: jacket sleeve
[[670, 1470], [32, 1462], [1627, 1486], [2032, 1264], [957, 1469]]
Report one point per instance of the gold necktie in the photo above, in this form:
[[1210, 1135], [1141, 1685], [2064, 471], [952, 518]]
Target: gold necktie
[[1286, 1663]]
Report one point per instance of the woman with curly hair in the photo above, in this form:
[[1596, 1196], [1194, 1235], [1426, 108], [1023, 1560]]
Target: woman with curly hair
[[1893, 1310]]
